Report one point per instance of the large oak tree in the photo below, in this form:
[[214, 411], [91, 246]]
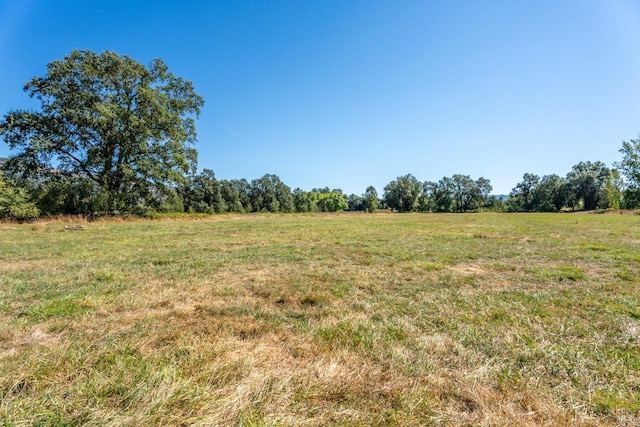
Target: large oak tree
[[106, 118]]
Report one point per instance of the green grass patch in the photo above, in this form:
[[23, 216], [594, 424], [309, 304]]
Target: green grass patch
[[64, 307]]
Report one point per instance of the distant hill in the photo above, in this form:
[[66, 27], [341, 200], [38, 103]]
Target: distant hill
[[502, 197]]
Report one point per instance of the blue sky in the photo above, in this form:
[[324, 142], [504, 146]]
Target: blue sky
[[347, 94]]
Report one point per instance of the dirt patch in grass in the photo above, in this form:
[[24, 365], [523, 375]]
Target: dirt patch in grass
[[469, 269]]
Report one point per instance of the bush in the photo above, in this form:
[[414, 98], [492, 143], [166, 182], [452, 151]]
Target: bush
[[14, 202]]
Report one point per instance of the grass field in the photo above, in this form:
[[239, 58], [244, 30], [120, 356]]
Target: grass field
[[352, 319]]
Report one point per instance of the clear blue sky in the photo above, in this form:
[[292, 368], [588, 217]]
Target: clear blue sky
[[346, 93]]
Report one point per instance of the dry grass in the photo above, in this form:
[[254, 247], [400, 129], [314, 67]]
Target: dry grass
[[322, 320]]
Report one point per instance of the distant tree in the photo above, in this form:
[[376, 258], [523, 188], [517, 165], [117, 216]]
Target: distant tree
[[630, 198], [522, 196], [234, 195], [495, 204], [613, 190], [402, 193], [327, 190], [469, 194], [243, 187], [443, 195], [15, 203], [482, 191], [587, 181], [263, 194], [549, 194], [355, 203], [571, 194], [371, 202], [305, 201], [285, 198], [630, 167], [109, 119], [203, 194], [332, 202], [427, 198], [270, 194]]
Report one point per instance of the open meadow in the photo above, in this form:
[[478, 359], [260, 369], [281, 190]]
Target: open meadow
[[314, 320]]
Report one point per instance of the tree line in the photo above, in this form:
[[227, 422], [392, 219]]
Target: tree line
[[113, 136], [204, 193], [587, 186]]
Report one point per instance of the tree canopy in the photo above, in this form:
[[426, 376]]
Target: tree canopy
[[108, 119], [402, 193]]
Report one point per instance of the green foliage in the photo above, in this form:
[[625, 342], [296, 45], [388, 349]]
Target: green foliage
[[304, 201], [355, 203], [202, 194], [546, 194], [590, 185], [586, 183], [631, 198], [469, 194], [402, 193], [321, 200], [458, 193], [270, 194], [522, 197], [71, 196], [442, 194], [427, 201], [235, 194], [332, 202], [550, 194], [108, 119], [15, 202], [630, 167], [612, 191], [370, 199]]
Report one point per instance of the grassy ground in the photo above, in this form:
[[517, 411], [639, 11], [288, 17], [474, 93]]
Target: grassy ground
[[421, 319]]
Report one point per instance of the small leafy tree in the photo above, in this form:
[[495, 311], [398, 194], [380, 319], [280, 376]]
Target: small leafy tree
[[612, 193], [370, 200], [15, 202], [332, 202]]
